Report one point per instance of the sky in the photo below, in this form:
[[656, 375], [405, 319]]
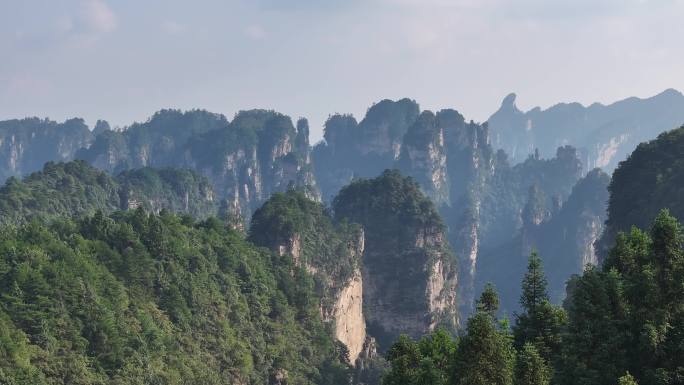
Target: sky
[[122, 60]]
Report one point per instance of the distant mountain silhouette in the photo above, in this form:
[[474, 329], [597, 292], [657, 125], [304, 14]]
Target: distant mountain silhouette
[[603, 134]]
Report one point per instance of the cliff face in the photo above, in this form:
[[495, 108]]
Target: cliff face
[[258, 153], [603, 134], [423, 156], [27, 144], [362, 149], [562, 235], [294, 226], [409, 273]]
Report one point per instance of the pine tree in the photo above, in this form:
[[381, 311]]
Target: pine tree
[[405, 358], [534, 284], [485, 355], [540, 323], [531, 368], [627, 379], [489, 300]]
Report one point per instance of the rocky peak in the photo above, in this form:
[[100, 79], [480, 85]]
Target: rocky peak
[[409, 274], [294, 226], [423, 156]]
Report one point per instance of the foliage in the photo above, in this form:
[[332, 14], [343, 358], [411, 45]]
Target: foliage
[[483, 354], [649, 180], [404, 239], [425, 362], [75, 189], [137, 299], [531, 368], [305, 229], [629, 316]]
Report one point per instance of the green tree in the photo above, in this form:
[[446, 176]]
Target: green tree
[[531, 369], [405, 358], [489, 300], [426, 362], [627, 379], [541, 323], [485, 355]]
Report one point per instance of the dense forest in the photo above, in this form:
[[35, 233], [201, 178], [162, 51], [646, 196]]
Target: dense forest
[[137, 298], [76, 189]]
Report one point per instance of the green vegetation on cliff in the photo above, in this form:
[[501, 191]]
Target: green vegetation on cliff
[[297, 226], [407, 264], [141, 299], [75, 189], [651, 178]]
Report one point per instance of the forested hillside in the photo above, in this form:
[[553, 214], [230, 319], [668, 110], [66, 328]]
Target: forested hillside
[[496, 204], [141, 299], [76, 189], [652, 178], [195, 249]]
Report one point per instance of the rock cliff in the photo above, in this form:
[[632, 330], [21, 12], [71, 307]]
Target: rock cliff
[[27, 144], [294, 226], [256, 154], [409, 272]]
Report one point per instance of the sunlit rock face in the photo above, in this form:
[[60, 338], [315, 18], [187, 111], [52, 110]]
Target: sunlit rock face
[[603, 134]]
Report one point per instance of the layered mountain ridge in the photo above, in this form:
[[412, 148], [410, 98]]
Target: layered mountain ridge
[[603, 134], [489, 199]]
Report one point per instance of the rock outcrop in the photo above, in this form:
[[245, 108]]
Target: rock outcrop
[[481, 196], [27, 144], [294, 226], [258, 153], [409, 272], [423, 156], [362, 149]]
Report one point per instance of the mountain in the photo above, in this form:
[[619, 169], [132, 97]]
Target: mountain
[[259, 152], [339, 287], [652, 178], [76, 189], [362, 149], [563, 236], [292, 225], [487, 199], [140, 298], [27, 144], [409, 272], [479, 194], [603, 134]]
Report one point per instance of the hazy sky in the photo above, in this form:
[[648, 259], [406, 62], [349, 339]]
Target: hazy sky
[[121, 60]]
